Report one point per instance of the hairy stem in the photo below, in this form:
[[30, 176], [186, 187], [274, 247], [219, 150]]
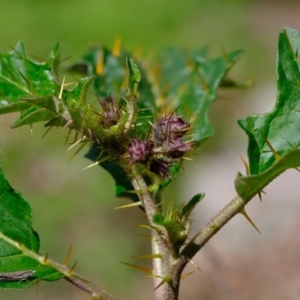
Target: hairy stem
[[212, 227], [166, 279]]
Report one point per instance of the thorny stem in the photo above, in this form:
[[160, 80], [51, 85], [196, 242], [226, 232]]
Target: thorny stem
[[161, 243], [211, 228]]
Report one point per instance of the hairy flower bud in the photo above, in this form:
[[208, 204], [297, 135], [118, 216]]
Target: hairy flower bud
[[140, 151], [111, 113], [169, 128], [160, 167]]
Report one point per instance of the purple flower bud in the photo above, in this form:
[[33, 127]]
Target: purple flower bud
[[140, 151], [159, 167], [111, 113], [169, 128]]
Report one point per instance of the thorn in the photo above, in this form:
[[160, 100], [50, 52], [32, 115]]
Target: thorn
[[67, 259], [46, 257], [243, 212], [142, 269], [77, 142], [195, 265], [226, 58], [73, 267], [276, 155], [97, 162], [31, 131], [166, 279], [100, 63], [186, 275], [259, 195], [117, 46], [134, 204], [246, 165], [62, 88], [37, 289], [68, 135], [249, 81], [150, 256], [77, 151], [203, 82], [148, 237], [47, 131]]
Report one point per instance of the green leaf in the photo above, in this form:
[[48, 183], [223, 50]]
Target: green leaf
[[280, 127], [22, 77], [19, 243], [187, 81], [189, 207], [133, 78], [248, 186]]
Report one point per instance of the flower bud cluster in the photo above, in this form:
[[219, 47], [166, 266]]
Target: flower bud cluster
[[165, 145], [110, 114]]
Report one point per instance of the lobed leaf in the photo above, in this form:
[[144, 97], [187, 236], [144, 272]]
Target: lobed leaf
[[279, 128], [274, 137]]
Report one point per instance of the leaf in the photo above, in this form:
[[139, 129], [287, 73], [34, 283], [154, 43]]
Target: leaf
[[188, 207], [279, 128], [187, 81], [248, 186], [19, 243], [133, 78], [22, 77]]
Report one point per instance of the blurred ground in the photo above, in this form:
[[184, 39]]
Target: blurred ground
[[71, 206]]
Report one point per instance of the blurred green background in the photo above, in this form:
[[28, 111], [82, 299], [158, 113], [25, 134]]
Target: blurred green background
[[75, 207]]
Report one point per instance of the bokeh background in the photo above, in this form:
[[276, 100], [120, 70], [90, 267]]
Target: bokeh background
[[75, 207]]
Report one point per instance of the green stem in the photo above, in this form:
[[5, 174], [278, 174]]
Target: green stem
[[212, 227]]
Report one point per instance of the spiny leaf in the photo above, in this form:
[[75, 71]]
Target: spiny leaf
[[187, 81], [19, 243], [133, 78], [248, 186], [279, 127], [188, 207]]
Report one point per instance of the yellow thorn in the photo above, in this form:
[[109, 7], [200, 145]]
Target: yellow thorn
[[117, 46], [134, 204], [46, 257], [96, 163], [203, 82], [186, 275], [149, 237], [166, 279], [276, 155], [77, 142], [68, 135], [246, 165], [226, 58], [62, 88], [195, 265], [47, 131], [100, 63], [67, 259], [243, 212], [73, 267], [37, 289], [77, 151], [31, 131], [145, 270], [249, 81]]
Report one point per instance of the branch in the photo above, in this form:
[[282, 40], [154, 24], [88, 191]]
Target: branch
[[79, 281], [212, 227]]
